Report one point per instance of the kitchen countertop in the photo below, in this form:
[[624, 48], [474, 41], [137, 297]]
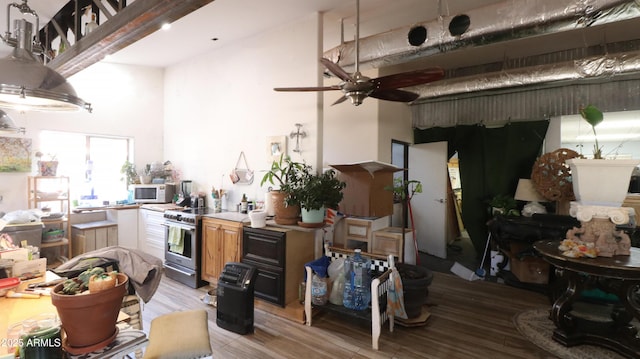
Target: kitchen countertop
[[229, 216], [161, 207]]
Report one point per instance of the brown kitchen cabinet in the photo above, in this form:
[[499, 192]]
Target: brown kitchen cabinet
[[280, 255], [221, 242]]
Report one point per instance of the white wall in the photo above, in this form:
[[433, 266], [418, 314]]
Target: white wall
[[127, 101], [223, 102]]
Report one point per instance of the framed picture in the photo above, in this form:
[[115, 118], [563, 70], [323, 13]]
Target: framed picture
[[276, 146], [15, 154]]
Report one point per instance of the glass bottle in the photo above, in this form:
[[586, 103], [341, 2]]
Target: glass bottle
[[243, 204], [90, 26]]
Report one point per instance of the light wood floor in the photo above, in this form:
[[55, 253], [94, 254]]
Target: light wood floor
[[468, 320]]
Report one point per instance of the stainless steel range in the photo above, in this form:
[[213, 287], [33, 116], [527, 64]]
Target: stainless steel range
[[183, 245]]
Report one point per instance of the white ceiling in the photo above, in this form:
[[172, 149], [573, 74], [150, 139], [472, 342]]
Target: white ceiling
[[232, 20]]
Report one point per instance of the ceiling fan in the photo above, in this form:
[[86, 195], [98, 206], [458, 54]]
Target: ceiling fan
[[357, 87]]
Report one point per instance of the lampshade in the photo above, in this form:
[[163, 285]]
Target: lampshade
[[7, 125], [527, 192], [27, 84]]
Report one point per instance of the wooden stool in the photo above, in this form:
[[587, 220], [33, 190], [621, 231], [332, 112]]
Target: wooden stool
[[179, 335]]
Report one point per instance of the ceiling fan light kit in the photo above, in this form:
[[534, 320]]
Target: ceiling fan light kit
[[356, 87], [27, 84]]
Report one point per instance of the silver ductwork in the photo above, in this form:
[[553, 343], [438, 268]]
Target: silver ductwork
[[605, 67], [498, 23]]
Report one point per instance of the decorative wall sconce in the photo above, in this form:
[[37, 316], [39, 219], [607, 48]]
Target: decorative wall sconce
[[298, 135]]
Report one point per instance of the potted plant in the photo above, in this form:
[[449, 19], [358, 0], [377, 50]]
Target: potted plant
[[403, 192], [503, 204], [316, 192], [47, 165], [128, 169], [146, 177], [285, 174], [94, 295], [597, 181]]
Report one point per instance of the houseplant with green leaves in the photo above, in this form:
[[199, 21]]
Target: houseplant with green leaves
[[284, 173], [316, 192]]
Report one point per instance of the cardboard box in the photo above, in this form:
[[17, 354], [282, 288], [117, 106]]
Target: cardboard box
[[529, 269], [365, 194]]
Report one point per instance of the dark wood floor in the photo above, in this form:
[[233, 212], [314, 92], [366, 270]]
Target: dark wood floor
[[468, 320]]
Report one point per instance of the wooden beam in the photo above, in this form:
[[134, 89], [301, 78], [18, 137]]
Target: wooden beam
[[139, 19]]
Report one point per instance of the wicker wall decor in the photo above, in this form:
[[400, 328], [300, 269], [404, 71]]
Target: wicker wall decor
[[551, 176]]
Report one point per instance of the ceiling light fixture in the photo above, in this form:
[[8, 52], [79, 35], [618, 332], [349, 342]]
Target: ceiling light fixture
[[7, 125], [27, 84]]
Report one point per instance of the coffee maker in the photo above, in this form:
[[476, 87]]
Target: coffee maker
[[184, 197]]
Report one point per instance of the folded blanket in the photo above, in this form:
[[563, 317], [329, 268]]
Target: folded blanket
[[144, 270]]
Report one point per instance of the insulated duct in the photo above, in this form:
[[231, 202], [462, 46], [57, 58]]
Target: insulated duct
[[493, 24], [607, 66]]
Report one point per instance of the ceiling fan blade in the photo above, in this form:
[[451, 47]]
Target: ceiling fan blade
[[292, 89], [340, 100], [407, 79], [394, 95], [336, 70]]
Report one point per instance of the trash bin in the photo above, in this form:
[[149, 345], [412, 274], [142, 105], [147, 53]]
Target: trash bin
[[235, 297]]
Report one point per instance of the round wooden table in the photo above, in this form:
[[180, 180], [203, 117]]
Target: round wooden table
[[605, 323]]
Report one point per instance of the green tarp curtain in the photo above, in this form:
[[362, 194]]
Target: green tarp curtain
[[491, 161]]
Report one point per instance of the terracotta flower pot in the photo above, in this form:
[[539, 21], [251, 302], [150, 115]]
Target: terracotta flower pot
[[89, 320], [284, 214]]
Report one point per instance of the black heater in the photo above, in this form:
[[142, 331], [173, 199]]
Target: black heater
[[235, 297]]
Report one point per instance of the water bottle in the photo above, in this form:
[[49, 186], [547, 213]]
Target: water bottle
[[319, 290], [361, 282], [347, 296], [337, 290], [357, 292]]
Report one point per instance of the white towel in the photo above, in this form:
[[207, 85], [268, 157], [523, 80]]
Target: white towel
[[395, 296], [176, 240]]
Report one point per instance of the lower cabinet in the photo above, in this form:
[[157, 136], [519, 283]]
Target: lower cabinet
[[221, 242], [90, 236], [279, 254], [151, 232]]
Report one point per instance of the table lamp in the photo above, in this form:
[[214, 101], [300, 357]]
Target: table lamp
[[527, 192]]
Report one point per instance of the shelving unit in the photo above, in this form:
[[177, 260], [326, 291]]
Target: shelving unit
[[52, 193]]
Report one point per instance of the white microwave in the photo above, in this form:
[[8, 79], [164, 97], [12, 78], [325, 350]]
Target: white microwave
[[153, 193]]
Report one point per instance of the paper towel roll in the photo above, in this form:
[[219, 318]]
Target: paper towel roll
[[268, 204]]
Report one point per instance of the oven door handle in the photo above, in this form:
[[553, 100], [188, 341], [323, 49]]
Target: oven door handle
[[181, 226], [167, 265]]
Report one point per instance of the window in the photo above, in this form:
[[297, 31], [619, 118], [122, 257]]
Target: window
[[92, 163]]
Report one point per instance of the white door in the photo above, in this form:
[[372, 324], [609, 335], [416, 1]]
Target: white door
[[428, 164]]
